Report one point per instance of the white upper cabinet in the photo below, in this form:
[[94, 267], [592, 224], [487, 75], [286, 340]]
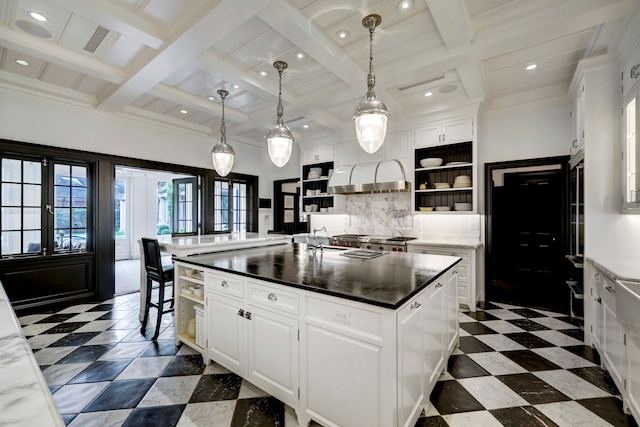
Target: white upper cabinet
[[631, 119], [317, 155], [577, 121], [397, 145], [447, 132], [346, 153]]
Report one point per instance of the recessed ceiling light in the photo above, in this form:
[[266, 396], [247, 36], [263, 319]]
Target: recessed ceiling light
[[22, 62], [184, 111], [532, 67], [448, 89], [428, 94], [263, 73], [405, 5], [342, 34], [38, 16], [211, 98], [235, 86], [300, 55], [305, 126]]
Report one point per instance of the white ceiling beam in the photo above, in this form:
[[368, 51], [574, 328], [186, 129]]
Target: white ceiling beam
[[293, 25], [186, 99], [46, 90], [224, 17], [471, 77], [45, 50], [452, 19], [115, 18]]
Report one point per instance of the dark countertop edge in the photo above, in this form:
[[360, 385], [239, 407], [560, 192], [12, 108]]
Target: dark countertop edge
[[310, 288]]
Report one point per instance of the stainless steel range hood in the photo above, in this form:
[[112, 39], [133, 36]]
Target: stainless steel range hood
[[370, 177]]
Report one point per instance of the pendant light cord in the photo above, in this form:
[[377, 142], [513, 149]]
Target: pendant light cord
[[279, 110]]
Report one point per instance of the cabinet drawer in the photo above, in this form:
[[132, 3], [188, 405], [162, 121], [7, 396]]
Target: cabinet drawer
[[224, 284], [345, 318], [463, 293], [465, 255], [463, 269], [272, 298]]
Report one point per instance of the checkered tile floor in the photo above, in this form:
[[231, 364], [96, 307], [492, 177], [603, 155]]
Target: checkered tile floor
[[514, 367]]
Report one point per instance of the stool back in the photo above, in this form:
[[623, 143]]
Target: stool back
[[152, 258]]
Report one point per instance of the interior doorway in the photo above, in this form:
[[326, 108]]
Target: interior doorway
[[286, 207], [144, 201], [527, 233]]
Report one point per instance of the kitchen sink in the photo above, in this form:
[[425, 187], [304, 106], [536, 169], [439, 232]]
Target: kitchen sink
[[628, 306]]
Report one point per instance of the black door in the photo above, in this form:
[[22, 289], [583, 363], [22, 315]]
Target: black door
[[528, 241]]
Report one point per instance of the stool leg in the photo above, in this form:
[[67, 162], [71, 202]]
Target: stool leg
[[173, 296], [147, 302], [160, 310]]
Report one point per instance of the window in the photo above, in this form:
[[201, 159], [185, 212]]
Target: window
[[44, 206], [231, 206], [631, 198]]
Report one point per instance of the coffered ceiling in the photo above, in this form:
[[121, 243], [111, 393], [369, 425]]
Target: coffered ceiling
[[161, 60]]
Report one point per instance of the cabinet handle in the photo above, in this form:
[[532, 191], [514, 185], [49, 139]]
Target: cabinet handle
[[454, 254], [247, 315], [439, 285], [241, 313], [415, 304], [455, 271], [599, 300], [610, 290], [272, 297], [596, 276], [224, 284]]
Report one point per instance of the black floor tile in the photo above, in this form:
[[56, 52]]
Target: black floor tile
[[102, 307], [528, 325], [216, 387], [190, 364], [572, 320], [481, 316], [160, 348], [574, 333], [526, 312], [609, 408], [258, 412], [165, 416], [66, 327], [530, 361], [74, 339], [476, 328], [462, 366], [121, 395], [528, 340], [473, 345], [532, 389], [589, 353], [484, 305], [435, 421], [86, 353], [57, 318], [449, 397], [113, 315], [598, 377], [102, 370], [520, 416]]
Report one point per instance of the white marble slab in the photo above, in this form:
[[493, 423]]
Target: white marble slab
[[618, 270], [458, 242], [25, 399]]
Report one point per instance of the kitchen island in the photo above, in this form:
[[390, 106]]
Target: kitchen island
[[344, 341]]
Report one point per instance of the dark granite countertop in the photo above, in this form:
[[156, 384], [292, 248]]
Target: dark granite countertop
[[386, 281]]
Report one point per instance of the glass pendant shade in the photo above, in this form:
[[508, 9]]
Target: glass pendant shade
[[222, 154], [371, 115], [279, 137]]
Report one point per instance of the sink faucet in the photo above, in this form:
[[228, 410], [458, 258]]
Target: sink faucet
[[313, 246]]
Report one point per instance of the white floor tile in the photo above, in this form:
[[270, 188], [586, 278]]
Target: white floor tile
[[504, 314], [80, 308], [32, 318], [101, 419], [86, 317], [73, 398], [550, 313], [63, 373], [108, 337], [497, 364], [466, 319], [37, 328], [170, 391], [206, 414], [553, 323], [214, 368], [472, 419], [464, 333], [502, 327], [571, 414], [50, 355], [563, 358], [44, 340], [492, 393], [500, 342], [248, 390], [125, 351], [145, 367], [96, 326], [570, 384]]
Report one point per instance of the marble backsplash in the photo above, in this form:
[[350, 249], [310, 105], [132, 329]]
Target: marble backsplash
[[387, 214]]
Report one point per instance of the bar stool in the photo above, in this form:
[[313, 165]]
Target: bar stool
[[158, 273]]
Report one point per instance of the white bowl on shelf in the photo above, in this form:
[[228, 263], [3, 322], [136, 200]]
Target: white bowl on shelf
[[314, 208], [441, 185], [461, 185], [443, 208], [308, 208], [324, 210], [462, 206], [431, 162]]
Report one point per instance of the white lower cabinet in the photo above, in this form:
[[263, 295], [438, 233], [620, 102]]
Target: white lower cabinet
[[339, 362], [632, 402], [613, 336]]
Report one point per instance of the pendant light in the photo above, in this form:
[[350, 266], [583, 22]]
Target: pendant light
[[222, 154], [371, 114], [279, 137]]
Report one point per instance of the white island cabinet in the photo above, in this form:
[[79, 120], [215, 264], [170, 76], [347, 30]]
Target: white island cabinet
[[335, 360]]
